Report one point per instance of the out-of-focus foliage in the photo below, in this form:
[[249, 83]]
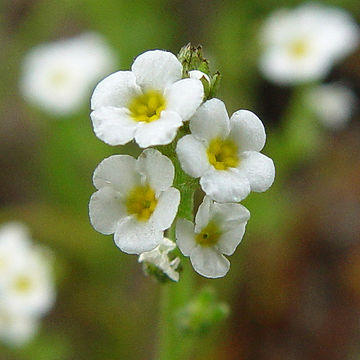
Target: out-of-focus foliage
[[294, 283]]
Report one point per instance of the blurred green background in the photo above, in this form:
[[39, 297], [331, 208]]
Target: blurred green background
[[294, 283]]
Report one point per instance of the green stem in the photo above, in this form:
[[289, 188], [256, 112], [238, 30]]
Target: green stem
[[172, 344]]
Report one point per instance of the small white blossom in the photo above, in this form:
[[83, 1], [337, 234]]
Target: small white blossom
[[302, 44], [218, 230], [159, 257], [225, 153], [28, 289], [148, 103], [26, 284], [135, 200], [333, 104], [58, 76]]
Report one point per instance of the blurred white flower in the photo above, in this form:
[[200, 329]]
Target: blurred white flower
[[159, 257], [16, 329], [135, 200], [333, 104], [218, 230], [302, 44], [148, 103], [29, 289], [26, 284], [58, 76], [225, 153]]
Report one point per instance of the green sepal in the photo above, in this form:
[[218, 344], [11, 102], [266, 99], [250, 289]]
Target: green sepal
[[214, 85]]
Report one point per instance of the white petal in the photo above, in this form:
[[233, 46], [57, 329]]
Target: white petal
[[185, 236], [225, 185], [117, 171], [229, 240], [157, 168], [184, 97], [135, 237], [115, 90], [166, 208], [158, 132], [192, 156], [202, 217], [156, 69], [210, 121], [113, 125], [105, 210], [247, 130], [259, 169], [196, 74], [209, 263], [229, 214]]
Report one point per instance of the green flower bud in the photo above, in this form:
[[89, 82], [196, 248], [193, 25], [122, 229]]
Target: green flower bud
[[201, 314]]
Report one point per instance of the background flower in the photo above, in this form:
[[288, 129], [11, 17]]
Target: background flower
[[333, 104], [26, 285], [58, 76], [302, 44]]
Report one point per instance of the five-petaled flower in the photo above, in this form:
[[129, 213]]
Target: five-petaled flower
[[59, 76], [135, 200], [218, 230], [225, 153], [148, 103], [302, 44]]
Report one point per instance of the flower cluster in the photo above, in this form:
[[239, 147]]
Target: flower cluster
[[168, 102], [302, 44], [59, 76], [26, 284]]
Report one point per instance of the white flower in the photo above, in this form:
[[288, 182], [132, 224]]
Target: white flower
[[26, 284], [59, 76], [29, 289], [333, 104], [159, 257], [218, 230], [148, 103], [225, 153], [301, 45], [135, 200], [16, 329]]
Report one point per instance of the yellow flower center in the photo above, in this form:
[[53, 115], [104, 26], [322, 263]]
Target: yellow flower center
[[22, 284], [58, 78], [147, 107], [141, 202], [222, 154], [299, 48], [209, 235]]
